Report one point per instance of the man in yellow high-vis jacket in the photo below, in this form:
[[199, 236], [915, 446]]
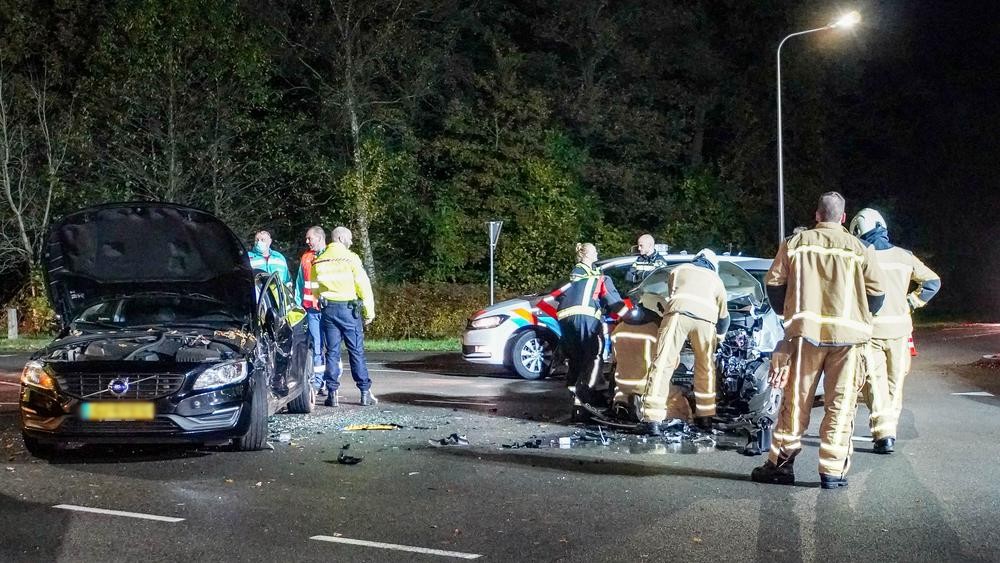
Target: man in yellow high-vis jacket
[[346, 299]]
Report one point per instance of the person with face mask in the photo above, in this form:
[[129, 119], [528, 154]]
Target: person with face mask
[[263, 258]]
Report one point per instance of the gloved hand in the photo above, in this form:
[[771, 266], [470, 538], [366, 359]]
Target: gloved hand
[[781, 359]]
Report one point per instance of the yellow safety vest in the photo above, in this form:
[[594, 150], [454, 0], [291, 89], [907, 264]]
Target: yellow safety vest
[[340, 276]]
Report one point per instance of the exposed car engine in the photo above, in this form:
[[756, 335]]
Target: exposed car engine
[[175, 347]]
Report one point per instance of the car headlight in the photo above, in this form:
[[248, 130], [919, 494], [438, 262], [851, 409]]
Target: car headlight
[[35, 376], [488, 322], [222, 374]]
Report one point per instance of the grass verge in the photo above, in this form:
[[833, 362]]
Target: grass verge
[[25, 344], [414, 345]]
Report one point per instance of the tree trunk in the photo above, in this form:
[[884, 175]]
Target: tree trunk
[[361, 202]]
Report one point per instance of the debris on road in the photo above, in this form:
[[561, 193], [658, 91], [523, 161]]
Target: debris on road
[[377, 426], [345, 459], [455, 439], [285, 437]]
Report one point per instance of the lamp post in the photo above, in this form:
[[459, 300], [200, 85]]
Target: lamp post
[[846, 21]]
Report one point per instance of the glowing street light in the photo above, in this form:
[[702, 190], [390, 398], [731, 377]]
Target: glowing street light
[[846, 21]]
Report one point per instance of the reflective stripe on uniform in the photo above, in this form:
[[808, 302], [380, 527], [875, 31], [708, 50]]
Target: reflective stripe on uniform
[[811, 316], [578, 310], [839, 252]]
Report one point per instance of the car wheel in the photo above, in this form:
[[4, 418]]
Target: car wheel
[[38, 448], [256, 435], [302, 374], [531, 355]]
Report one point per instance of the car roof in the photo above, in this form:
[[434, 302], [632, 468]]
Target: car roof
[[745, 262]]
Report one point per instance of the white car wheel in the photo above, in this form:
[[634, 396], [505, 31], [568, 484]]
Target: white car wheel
[[531, 355]]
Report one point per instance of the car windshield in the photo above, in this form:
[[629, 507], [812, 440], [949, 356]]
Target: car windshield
[[737, 281], [157, 309]]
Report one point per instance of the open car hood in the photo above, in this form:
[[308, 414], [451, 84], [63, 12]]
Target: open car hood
[[123, 249], [740, 286]]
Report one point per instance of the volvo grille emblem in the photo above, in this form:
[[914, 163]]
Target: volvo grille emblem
[[118, 386]]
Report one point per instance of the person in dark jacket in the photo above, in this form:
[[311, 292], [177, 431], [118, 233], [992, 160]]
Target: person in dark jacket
[[649, 259], [581, 305]]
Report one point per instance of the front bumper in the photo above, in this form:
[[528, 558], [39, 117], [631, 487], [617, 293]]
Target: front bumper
[[486, 345], [208, 416]]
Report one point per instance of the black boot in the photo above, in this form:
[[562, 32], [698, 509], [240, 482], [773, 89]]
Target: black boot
[[649, 429], [703, 423], [321, 392], [774, 474], [332, 400], [831, 482], [368, 399], [885, 445]]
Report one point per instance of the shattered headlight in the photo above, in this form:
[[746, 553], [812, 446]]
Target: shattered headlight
[[34, 375], [488, 322], [222, 374]]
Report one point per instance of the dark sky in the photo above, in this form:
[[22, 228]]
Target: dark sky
[[931, 76]]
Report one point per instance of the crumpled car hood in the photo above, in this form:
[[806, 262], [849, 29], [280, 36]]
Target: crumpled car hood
[[122, 249]]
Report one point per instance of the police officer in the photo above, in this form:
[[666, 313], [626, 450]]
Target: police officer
[[889, 350], [696, 310], [265, 259], [649, 259], [347, 302], [580, 304], [306, 295], [827, 285]]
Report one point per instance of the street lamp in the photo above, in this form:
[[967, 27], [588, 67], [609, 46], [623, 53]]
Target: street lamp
[[845, 21]]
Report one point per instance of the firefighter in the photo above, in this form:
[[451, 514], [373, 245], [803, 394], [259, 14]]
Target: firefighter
[[889, 350], [263, 258], [306, 296], [827, 285], [581, 305], [649, 259], [347, 302], [695, 310]]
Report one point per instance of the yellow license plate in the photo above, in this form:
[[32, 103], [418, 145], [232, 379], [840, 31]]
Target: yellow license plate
[[125, 410]]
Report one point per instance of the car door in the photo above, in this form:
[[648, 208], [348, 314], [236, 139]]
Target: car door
[[278, 333]]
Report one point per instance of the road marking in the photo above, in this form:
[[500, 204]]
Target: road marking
[[861, 438], [8, 404], [975, 394], [11, 384], [118, 513], [397, 547], [454, 402]]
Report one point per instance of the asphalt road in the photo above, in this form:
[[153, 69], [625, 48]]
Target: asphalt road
[[935, 499]]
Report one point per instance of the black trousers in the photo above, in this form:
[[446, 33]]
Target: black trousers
[[582, 342]]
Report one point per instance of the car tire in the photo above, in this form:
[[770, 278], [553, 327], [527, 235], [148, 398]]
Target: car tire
[[302, 375], [256, 436], [37, 448], [531, 355]]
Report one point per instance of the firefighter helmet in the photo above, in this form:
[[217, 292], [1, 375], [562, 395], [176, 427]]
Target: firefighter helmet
[[707, 254], [866, 220]]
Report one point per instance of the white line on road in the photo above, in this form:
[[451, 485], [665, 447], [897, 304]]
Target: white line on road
[[11, 384], [118, 513], [975, 394], [398, 547], [861, 438], [454, 402], [8, 404]]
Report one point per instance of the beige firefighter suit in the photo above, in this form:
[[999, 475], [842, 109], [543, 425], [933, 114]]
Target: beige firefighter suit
[[697, 301], [828, 275], [634, 346], [889, 350]]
